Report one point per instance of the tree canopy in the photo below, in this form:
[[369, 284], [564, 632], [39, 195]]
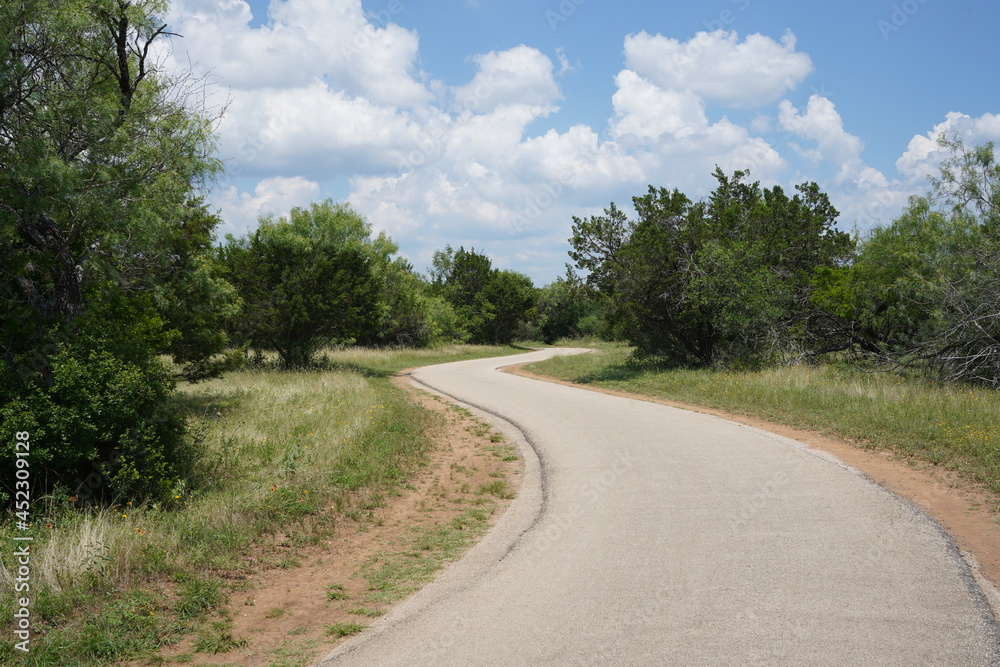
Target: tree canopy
[[489, 303], [924, 291], [725, 280], [308, 280]]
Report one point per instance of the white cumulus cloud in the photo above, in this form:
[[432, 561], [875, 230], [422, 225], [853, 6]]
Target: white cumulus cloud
[[521, 75], [671, 136], [314, 129], [718, 67], [272, 196], [821, 123], [303, 41], [323, 93], [646, 111], [923, 155]]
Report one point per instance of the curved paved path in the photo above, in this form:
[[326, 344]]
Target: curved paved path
[[647, 535]]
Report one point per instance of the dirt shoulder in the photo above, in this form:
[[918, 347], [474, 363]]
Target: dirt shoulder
[[966, 513], [282, 614]]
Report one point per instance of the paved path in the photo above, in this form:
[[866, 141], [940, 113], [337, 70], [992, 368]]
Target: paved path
[[647, 535]]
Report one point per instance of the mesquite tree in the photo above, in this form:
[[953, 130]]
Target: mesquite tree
[[924, 291], [101, 162]]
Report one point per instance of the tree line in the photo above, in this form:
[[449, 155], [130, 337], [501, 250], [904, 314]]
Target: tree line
[[751, 276], [319, 278]]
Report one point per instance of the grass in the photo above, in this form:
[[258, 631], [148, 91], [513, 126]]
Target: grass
[[365, 611], [497, 488], [952, 426], [338, 630], [289, 452], [129, 626], [393, 576], [503, 452], [197, 596], [217, 637], [295, 653], [336, 592]]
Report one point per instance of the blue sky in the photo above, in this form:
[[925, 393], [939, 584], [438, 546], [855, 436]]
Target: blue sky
[[491, 123]]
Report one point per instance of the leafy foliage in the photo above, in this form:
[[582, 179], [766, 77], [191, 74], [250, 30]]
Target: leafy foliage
[[924, 292], [319, 278], [459, 277], [104, 429], [103, 246], [489, 303], [307, 281], [193, 299], [567, 309], [721, 281], [406, 312]]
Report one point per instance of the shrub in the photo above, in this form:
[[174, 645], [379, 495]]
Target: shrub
[[103, 429]]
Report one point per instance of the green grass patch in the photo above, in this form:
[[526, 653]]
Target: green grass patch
[[497, 488], [504, 452], [337, 592], [953, 426], [299, 653], [388, 361], [197, 596], [365, 611], [217, 637], [338, 630], [393, 576], [129, 626]]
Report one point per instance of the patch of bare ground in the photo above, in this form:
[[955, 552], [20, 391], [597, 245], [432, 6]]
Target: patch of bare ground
[[294, 614], [970, 515]]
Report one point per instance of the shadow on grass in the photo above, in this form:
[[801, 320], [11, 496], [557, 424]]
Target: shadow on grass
[[325, 366], [321, 364], [632, 368]]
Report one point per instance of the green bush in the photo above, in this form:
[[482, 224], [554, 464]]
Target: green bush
[[568, 309], [923, 292], [104, 428], [444, 323]]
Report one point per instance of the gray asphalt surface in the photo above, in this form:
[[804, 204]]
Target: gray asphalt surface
[[647, 535]]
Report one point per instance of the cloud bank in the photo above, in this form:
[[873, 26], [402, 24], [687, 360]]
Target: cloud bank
[[324, 93]]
